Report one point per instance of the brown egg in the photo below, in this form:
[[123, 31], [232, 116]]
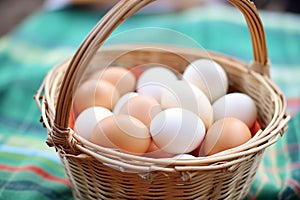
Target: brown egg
[[155, 152], [224, 134], [122, 132], [120, 77], [95, 93], [142, 107]]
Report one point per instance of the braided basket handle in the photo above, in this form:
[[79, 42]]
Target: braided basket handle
[[120, 12]]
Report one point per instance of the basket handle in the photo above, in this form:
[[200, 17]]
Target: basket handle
[[119, 13]]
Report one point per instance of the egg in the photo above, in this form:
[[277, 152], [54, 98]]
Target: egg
[[225, 134], [237, 105], [88, 119], [155, 152], [154, 80], [142, 107], [182, 94], [122, 132], [152, 89], [120, 77], [184, 156], [122, 101], [156, 74], [177, 130], [95, 93], [209, 76]]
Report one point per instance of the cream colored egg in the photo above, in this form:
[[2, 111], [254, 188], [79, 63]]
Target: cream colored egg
[[87, 119], [209, 76], [237, 105], [177, 130], [154, 80], [156, 74], [182, 94]]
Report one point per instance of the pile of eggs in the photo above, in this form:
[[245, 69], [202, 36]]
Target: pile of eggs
[[160, 113]]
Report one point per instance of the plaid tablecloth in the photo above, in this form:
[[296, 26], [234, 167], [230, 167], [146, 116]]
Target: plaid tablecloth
[[31, 170]]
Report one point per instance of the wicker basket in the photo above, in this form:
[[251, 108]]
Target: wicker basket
[[96, 172]]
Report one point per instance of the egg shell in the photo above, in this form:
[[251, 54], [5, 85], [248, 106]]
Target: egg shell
[[95, 93], [122, 101], [177, 130], [87, 120], [209, 76], [182, 94], [142, 107], [155, 152], [237, 105], [156, 74], [225, 134], [152, 89], [184, 156], [122, 132], [120, 77]]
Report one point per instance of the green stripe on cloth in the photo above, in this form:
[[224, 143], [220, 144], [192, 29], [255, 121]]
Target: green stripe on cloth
[[31, 170]]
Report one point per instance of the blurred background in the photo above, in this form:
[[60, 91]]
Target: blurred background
[[12, 12], [36, 34]]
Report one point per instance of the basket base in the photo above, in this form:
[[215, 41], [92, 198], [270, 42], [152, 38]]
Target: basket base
[[91, 179]]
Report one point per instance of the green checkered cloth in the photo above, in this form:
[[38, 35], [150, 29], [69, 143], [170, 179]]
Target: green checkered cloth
[[31, 170]]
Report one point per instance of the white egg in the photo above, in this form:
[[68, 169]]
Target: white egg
[[153, 89], [154, 80], [177, 130], [209, 76], [156, 74], [122, 101], [237, 105], [182, 94], [184, 156], [88, 118]]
